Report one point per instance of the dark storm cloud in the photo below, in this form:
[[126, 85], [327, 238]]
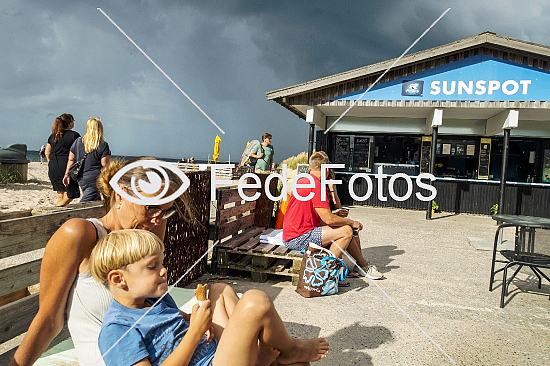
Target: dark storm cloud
[[303, 40], [306, 40], [64, 56]]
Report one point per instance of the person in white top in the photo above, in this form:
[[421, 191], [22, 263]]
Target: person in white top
[[65, 280]]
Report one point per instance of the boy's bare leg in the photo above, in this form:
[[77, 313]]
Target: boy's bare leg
[[255, 319], [60, 199], [224, 299]]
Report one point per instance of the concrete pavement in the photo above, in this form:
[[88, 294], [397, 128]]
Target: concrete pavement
[[440, 281]]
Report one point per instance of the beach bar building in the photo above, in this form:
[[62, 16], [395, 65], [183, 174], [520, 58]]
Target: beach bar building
[[475, 113]]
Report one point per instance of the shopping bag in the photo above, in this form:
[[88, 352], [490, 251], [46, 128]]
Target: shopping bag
[[320, 273]]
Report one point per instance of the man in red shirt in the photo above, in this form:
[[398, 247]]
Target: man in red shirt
[[309, 219]]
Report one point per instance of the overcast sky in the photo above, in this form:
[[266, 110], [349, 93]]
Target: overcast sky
[[65, 57]]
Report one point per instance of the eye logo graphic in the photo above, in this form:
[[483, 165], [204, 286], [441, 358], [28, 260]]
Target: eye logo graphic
[[157, 181]]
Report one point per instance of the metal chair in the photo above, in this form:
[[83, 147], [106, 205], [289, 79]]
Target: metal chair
[[522, 255]]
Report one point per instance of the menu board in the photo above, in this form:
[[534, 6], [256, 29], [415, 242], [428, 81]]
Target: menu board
[[361, 150], [455, 148], [484, 158], [342, 149], [303, 168], [460, 150], [425, 154]]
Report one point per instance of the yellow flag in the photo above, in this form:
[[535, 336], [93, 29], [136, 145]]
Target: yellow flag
[[216, 148]]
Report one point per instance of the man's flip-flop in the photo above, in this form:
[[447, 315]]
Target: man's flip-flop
[[353, 275], [343, 284]]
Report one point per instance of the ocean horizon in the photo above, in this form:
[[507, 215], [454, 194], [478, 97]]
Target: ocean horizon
[[33, 156]]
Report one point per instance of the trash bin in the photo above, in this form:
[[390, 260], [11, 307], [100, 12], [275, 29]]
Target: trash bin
[[13, 160]]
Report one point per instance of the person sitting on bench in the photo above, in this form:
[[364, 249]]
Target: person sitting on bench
[[303, 222]]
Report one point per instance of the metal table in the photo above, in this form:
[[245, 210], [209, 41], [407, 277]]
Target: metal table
[[524, 253]]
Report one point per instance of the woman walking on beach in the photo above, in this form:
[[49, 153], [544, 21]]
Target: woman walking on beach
[[67, 286], [57, 154], [96, 152]]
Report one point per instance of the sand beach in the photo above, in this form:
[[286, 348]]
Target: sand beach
[[34, 194]]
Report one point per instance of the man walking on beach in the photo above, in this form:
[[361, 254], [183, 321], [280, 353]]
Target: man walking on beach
[[313, 221], [264, 153]]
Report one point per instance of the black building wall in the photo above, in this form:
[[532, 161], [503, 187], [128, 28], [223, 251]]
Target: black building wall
[[458, 196]]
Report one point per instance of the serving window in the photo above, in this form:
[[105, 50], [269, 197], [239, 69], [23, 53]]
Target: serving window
[[457, 158], [467, 157], [522, 160]]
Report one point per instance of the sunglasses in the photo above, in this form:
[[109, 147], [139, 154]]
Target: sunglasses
[[156, 211]]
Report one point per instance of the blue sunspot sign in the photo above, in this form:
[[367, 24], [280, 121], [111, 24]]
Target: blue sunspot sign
[[479, 77]]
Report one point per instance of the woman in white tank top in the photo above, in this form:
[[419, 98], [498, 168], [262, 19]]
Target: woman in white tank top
[[65, 280], [86, 306]]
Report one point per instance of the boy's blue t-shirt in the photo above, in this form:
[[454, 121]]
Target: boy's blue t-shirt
[[155, 336]]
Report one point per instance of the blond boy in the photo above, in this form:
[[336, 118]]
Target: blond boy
[[129, 263], [143, 327]]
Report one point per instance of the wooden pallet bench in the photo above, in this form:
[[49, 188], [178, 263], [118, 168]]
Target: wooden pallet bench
[[239, 246], [246, 253]]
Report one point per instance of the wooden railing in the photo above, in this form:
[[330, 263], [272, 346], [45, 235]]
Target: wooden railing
[[25, 235]]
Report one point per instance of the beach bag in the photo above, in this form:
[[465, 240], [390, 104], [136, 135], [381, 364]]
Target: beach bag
[[320, 273], [75, 171]]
